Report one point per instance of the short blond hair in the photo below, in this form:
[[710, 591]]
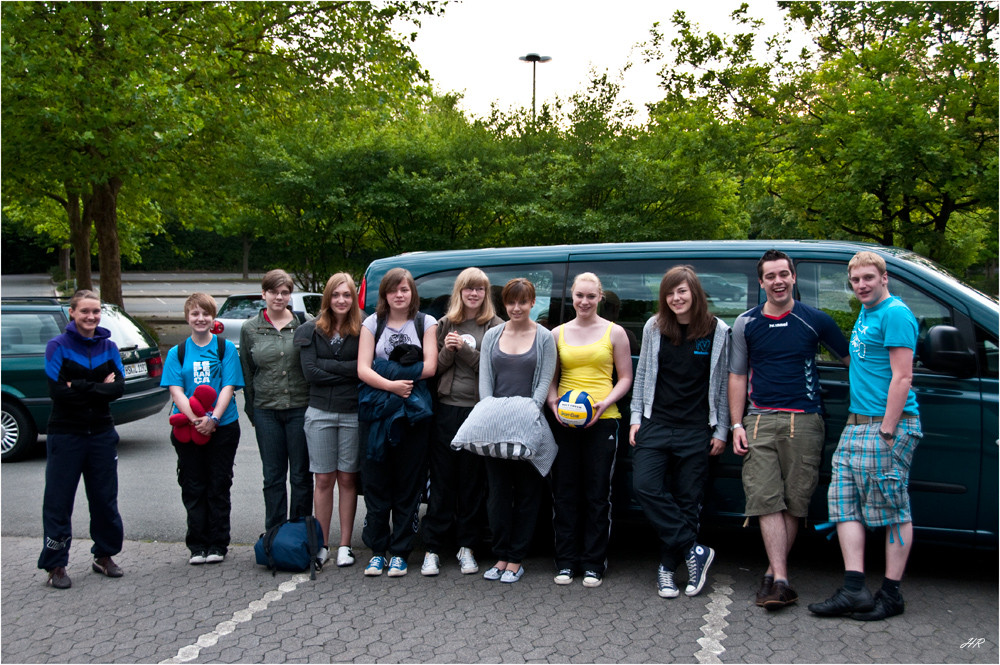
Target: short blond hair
[[589, 277], [201, 300], [866, 258]]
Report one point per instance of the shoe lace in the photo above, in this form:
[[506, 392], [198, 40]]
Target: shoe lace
[[466, 559], [397, 562], [665, 578], [692, 565]]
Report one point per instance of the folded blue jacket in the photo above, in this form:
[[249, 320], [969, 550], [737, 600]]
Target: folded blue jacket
[[385, 410]]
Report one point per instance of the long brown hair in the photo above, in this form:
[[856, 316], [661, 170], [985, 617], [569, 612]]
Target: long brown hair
[[326, 320], [702, 322], [468, 278], [389, 283]]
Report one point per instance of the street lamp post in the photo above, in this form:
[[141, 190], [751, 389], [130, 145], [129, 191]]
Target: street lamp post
[[534, 59]]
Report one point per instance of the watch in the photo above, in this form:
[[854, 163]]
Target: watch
[[736, 426], [888, 436]]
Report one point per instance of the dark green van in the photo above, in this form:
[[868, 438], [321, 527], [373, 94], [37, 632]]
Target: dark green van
[[953, 482]]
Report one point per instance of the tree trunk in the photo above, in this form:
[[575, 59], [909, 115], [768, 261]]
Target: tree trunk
[[246, 256], [64, 262], [79, 236], [105, 214]]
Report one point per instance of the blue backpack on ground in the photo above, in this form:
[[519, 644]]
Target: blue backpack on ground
[[291, 546]]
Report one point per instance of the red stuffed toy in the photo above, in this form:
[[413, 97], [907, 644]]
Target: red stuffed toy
[[201, 402]]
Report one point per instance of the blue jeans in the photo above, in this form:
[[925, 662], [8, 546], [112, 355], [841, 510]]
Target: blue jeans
[[281, 439]]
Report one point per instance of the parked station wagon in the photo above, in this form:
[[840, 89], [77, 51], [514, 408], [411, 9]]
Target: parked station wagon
[[27, 326], [953, 482]]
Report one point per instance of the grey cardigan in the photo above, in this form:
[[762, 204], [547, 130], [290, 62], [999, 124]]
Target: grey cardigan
[[718, 378], [545, 365]]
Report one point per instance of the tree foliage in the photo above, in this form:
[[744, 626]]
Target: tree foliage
[[105, 97], [884, 129]]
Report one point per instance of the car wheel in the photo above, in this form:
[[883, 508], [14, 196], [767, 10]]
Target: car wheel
[[19, 433]]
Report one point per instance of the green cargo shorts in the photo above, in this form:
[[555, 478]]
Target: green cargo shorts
[[781, 467]]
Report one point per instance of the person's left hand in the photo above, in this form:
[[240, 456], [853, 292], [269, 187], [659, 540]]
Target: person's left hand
[[204, 425], [599, 408], [717, 446]]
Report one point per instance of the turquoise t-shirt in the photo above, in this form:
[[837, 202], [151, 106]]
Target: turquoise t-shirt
[[201, 366], [888, 324]]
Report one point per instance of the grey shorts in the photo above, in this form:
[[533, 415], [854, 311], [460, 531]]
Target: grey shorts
[[781, 468], [333, 441]]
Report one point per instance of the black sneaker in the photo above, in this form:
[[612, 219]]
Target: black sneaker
[[844, 602], [885, 607]]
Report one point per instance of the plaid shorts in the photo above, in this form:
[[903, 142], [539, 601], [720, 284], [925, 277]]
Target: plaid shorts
[[869, 477]]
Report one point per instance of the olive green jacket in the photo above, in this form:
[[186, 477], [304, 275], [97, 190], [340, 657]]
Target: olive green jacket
[[272, 372]]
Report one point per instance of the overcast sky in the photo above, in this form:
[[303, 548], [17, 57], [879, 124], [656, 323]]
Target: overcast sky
[[474, 48]]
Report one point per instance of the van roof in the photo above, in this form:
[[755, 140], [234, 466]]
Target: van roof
[[716, 248]]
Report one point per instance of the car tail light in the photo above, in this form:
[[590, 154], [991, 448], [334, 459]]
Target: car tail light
[[155, 366], [218, 328], [361, 292]]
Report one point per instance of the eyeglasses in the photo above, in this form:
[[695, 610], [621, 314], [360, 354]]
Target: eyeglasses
[[475, 289], [283, 294]]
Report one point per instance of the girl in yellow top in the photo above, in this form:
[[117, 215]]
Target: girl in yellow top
[[591, 349]]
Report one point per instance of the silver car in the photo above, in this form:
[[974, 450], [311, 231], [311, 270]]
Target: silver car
[[240, 307]]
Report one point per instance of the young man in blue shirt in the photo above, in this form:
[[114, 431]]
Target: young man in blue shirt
[[871, 467], [772, 367]]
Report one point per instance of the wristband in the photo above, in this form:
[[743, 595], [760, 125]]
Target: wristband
[[214, 419]]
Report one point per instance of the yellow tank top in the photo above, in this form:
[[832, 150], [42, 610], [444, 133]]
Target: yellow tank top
[[588, 367]]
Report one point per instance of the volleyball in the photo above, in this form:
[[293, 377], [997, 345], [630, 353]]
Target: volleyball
[[576, 408]]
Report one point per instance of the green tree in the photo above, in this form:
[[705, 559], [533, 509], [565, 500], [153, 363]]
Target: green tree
[[884, 129], [105, 98]]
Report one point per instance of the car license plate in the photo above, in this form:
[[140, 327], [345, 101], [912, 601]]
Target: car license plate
[[135, 370]]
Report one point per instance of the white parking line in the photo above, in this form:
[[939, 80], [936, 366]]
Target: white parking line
[[190, 652], [715, 621]]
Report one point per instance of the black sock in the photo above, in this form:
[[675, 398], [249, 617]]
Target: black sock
[[891, 588], [854, 580]]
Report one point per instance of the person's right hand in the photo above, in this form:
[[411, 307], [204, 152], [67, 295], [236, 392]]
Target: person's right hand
[[402, 387], [631, 435], [740, 441]]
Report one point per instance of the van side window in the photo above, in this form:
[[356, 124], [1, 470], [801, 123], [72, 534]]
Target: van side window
[[435, 289], [825, 286], [987, 350], [632, 289]]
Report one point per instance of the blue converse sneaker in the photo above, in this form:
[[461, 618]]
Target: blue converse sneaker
[[699, 558], [397, 566], [665, 585], [375, 566]]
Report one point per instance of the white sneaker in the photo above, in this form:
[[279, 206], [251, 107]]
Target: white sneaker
[[345, 556], [431, 565], [322, 555], [467, 561]]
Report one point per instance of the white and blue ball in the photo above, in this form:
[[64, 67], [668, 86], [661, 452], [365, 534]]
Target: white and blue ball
[[576, 408]]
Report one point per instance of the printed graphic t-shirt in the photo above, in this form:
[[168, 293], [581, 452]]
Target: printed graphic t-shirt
[[201, 367], [888, 324]]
